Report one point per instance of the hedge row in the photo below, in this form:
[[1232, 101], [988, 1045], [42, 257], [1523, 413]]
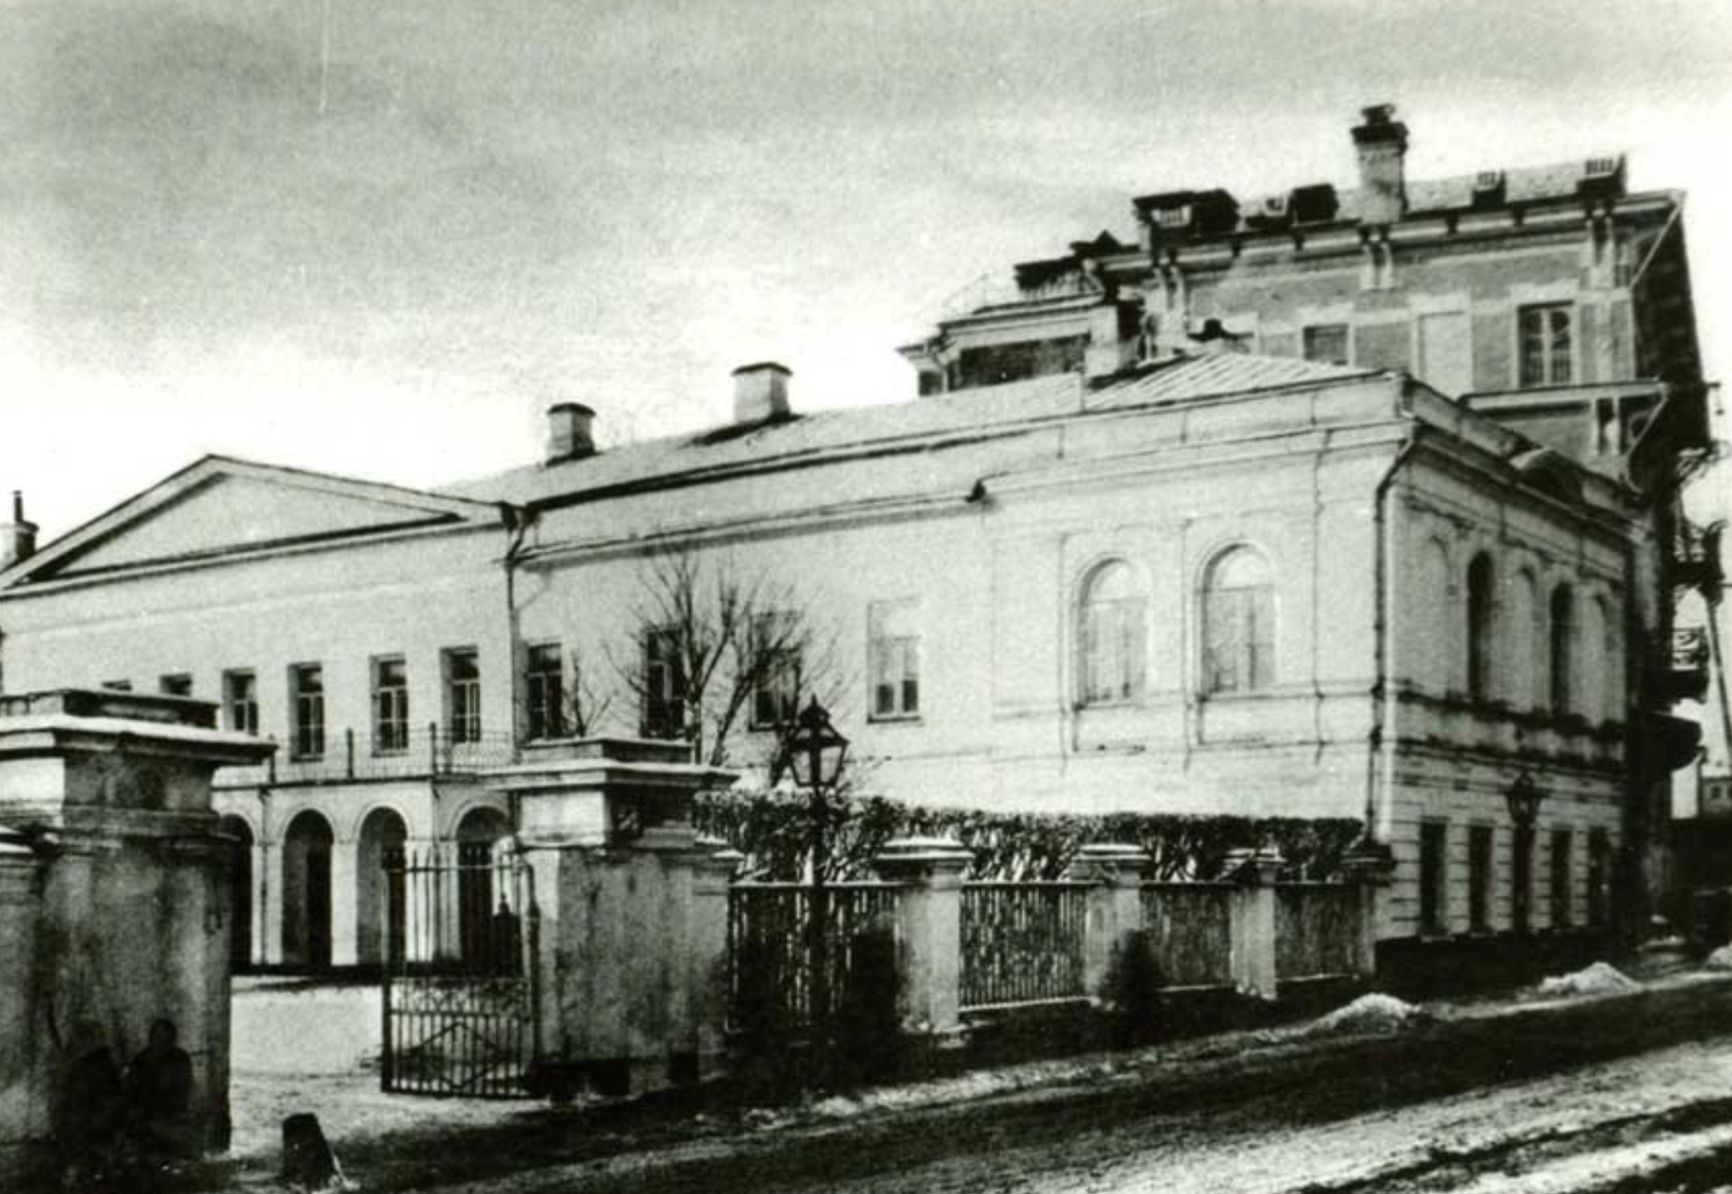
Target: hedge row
[[774, 831]]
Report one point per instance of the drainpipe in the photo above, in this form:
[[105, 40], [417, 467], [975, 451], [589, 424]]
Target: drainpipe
[[517, 521], [1382, 698]]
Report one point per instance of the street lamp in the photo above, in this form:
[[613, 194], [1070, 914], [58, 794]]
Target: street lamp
[[1524, 798], [815, 752]]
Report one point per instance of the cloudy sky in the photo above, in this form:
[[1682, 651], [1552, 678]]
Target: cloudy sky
[[382, 243]]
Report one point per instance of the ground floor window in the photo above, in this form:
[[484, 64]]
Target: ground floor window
[[1479, 878], [1433, 843], [1562, 843], [1599, 875]]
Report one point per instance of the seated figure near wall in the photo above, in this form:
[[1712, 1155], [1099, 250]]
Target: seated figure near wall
[[159, 1095]]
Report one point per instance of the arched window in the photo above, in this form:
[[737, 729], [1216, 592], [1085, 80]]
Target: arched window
[[1479, 628], [1112, 647], [1611, 680], [1563, 633], [1238, 623]]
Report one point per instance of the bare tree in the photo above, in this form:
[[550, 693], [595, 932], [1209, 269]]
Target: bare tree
[[716, 651]]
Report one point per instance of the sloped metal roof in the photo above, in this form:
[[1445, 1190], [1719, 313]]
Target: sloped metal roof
[[935, 419]]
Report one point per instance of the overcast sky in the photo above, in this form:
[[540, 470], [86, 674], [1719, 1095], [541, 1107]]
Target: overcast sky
[[387, 260]]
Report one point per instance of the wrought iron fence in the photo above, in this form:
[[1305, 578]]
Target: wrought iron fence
[[1022, 942], [397, 752], [1316, 930], [769, 948], [1190, 932], [459, 999]]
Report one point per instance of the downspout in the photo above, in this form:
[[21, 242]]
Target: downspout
[[516, 520], [1382, 696]]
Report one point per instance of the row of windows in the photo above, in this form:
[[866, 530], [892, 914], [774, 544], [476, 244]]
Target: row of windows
[[1238, 649], [389, 699], [1549, 645], [1434, 890], [1545, 346]]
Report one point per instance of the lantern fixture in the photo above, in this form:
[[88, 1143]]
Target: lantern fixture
[[814, 749]]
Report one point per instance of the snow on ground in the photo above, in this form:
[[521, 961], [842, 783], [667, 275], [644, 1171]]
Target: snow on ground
[[1601, 978], [1370, 1013]]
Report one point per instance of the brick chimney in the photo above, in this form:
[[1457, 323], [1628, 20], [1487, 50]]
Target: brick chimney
[[1382, 145], [570, 432], [761, 392], [17, 537]]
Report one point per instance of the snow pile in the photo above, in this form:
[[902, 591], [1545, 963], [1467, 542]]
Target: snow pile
[[1598, 979], [1370, 1013], [1720, 959]]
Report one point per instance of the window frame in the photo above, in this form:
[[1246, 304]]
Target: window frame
[[1480, 613], [1561, 667], [775, 697], [893, 661], [1433, 911], [241, 711], [543, 703], [1255, 634], [1327, 326], [175, 684], [1126, 617], [1547, 374], [663, 714], [1561, 870], [307, 729], [462, 695], [1481, 851], [389, 704]]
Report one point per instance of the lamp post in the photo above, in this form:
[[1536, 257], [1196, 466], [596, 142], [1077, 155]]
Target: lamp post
[[1524, 798], [815, 752]]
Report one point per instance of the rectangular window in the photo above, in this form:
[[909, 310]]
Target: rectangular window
[[893, 656], [1433, 849], [776, 659], [1599, 877], [544, 692], [1545, 344], [1562, 844], [1479, 878], [177, 684], [1326, 342], [463, 695], [390, 706], [664, 684], [307, 703], [241, 702]]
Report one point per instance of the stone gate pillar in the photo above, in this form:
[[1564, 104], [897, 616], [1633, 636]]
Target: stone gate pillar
[[114, 902], [632, 943], [1251, 949]]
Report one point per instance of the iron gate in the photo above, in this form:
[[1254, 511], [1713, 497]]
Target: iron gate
[[460, 1006]]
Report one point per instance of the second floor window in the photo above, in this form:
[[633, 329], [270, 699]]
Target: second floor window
[[1545, 344], [241, 701], [307, 707], [664, 684], [179, 684], [463, 696], [1326, 342], [1238, 623], [544, 692], [893, 650], [1113, 644], [1479, 628], [776, 659], [390, 706], [1563, 633]]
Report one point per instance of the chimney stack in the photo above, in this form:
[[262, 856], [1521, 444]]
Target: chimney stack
[[1382, 145], [761, 392], [17, 537], [570, 432]]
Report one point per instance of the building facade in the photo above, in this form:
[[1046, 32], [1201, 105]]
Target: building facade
[[1111, 560]]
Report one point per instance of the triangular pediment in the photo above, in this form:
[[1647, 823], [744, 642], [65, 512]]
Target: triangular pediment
[[221, 507]]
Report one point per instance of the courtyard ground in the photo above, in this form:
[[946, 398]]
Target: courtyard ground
[[1574, 1092]]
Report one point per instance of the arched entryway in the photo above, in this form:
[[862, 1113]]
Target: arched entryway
[[477, 833], [240, 879], [379, 909], [307, 892]]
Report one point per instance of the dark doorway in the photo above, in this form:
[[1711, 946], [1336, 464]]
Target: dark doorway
[[240, 859], [379, 907], [477, 834], [307, 892]]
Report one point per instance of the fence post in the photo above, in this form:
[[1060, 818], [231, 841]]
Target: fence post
[[1252, 942], [929, 916], [713, 869], [1369, 866], [1115, 907]]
